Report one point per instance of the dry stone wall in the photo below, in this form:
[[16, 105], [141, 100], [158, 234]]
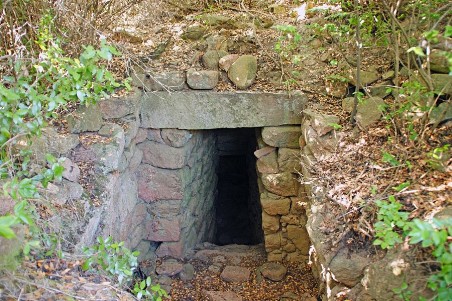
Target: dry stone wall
[[155, 188], [177, 182], [282, 195]]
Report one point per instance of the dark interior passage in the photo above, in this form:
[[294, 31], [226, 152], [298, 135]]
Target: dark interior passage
[[237, 208]]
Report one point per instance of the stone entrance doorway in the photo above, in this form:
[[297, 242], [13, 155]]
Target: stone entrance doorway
[[237, 206], [185, 157]]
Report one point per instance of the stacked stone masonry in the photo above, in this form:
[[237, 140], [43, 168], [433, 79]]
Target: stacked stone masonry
[[177, 181], [155, 187], [282, 196]]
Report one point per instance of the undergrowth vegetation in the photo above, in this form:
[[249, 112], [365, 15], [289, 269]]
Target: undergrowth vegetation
[[117, 261], [39, 82], [33, 94], [412, 31]]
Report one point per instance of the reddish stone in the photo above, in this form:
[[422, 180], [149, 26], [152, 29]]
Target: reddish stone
[[155, 135], [289, 160], [175, 137], [284, 184], [163, 229], [169, 267], [267, 164], [171, 249], [118, 107], [264, 151], [140, 136], [162, 155], [273, 271], [159, 184], [235, 274]]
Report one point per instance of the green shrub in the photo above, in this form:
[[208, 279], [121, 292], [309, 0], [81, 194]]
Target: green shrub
[[117, 261], [34, 94], [393, 227]]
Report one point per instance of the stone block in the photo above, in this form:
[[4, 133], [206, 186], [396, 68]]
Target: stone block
[[170, 249], [276, 206], [270, 223], [349, 268], [276, 255], [282, 136], [108, 152], [284, 184], [226, 61], [336, 88], [442, 83], [130, 130], [118, 107], [11, 248], [369, 112], [155, 135], [321, 123], [235, 274], [162, 155], [187, 273], [6, 203], [289, 160], [300, 237], [273, 271], [243, 71], [129, 227], [175, 137], [64, 192], [165, 81], [193, 32], [165, 208], [163, 229], [202, 79], [136, 159], [299, 204], [439, 62], [318, 147], [381, 90], [169, 267], [272, 241], [85, 119], [140, 136], [264, 150], [296, 257], [291, 219], [159, 184], [211, 58], [211, 110], [366, 77], [268, 163], [289, 248], [71, 170], [53, 143]]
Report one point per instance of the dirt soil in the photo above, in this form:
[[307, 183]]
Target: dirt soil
[[298, 283]]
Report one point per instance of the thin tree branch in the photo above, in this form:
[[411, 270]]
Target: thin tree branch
[[358, 65]]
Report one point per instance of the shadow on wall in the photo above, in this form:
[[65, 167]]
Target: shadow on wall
[[237, 206]]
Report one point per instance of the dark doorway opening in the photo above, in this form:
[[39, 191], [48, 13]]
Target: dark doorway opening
[[237, 206]]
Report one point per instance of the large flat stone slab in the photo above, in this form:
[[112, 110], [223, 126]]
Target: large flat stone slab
[[212, 110]]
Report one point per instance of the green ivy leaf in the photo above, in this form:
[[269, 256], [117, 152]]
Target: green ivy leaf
[[5, 226], [417, 50]]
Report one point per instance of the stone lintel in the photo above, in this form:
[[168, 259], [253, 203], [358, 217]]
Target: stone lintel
[[194, 110]]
